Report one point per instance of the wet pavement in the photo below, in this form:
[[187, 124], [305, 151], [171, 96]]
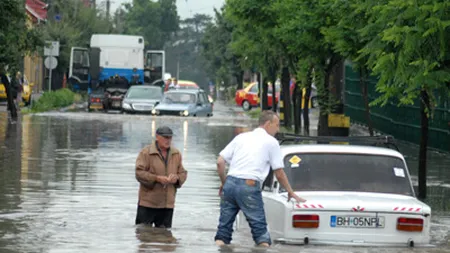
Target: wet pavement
[[67, 184]]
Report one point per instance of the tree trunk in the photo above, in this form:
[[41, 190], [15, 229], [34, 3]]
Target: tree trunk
[[306, 109], [364, 91], [296, 103], [323, 129], [9, 96], [286, 97], [265, 100], [240, 79], [424, 105], [272, 78]]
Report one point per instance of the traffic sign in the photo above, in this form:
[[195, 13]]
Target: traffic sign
[[51, 48], [50, 62]]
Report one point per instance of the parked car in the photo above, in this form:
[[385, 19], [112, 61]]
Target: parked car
[[184, 103], [248, 97], [26, 93], [141, 99], [355, 195], [184, 84]]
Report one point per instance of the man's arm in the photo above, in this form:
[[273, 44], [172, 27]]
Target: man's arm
[[181, 174], [282, 178], [221, 169], [143, 175], [276, 162]]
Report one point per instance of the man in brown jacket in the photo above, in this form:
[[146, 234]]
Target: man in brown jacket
[[160, 172]]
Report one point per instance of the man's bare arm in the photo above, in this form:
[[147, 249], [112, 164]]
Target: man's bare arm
[[282, 178], [221, 169]]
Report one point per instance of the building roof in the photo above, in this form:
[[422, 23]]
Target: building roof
[[37, 9]]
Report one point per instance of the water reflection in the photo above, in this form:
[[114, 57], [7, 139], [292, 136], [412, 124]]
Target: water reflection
[[67, 184], [152, 238]]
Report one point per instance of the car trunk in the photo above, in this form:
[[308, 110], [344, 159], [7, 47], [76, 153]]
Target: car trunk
[[357, 217]]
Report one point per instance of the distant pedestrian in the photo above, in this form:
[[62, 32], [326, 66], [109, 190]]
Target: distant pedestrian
[[250, 155], [160, 172]]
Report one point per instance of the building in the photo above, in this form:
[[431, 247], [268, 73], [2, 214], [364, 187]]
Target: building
[[33, 67]]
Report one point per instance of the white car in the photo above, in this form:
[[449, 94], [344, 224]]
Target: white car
[[356, 195]]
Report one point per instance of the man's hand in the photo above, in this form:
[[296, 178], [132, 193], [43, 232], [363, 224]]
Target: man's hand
[[162, 180], [296, 197], [173, 178], [220, 190]]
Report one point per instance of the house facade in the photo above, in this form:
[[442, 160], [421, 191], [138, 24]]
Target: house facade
[[33, 65]]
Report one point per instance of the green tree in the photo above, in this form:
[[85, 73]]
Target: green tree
[[74, 29], [411, 57], [157, 21], [299, 28], [16, 40], [221, 62]]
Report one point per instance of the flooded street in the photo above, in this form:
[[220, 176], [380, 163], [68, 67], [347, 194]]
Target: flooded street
[[67, 184]]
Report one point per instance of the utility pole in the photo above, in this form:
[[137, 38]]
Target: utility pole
[[108, 7]]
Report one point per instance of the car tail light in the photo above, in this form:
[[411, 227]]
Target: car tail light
[[410, 224], [95, 100], [305, 221]]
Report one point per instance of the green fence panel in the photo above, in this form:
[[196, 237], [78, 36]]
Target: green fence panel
[[403, 122]]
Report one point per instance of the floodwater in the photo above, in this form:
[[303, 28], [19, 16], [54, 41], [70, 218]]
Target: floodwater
[[67, 184]]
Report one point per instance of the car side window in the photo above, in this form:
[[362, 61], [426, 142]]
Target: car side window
[[201, 98], [267, 185], [254, 89], [205, 98]]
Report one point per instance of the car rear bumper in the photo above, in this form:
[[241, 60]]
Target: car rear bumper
[[309, 240]]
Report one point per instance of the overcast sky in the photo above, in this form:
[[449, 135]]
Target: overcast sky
[[186, 8]]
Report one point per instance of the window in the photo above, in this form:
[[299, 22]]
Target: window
[[347, 172], [201, 98], [254, 89]]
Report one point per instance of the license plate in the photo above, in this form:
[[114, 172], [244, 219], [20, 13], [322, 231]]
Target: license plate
[[357, 221], [96, 106], [116, 104]]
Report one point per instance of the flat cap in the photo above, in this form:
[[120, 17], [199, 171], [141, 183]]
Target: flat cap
[[164, 131]]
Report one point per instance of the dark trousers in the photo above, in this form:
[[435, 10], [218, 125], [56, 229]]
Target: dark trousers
[[160, 217]]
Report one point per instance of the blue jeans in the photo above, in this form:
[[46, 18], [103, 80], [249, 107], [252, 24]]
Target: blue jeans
[[238, 195]]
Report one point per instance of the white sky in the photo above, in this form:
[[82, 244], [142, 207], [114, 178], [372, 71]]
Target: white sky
[[186, 8]]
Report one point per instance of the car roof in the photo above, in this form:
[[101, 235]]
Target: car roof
[[193, 91], [340, 149], [144, 86]]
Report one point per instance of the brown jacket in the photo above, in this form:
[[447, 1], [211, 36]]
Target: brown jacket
[[150, 164]]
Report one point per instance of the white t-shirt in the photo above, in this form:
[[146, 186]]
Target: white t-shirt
[[251, 154]]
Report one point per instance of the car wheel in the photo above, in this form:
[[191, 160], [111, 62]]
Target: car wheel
[[246, 105]]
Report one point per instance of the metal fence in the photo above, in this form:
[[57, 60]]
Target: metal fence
[[403, 122]]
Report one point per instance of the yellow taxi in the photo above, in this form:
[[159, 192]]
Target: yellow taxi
[[26, 93]]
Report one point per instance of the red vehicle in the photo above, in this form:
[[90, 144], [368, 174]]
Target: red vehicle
[[248, 97]]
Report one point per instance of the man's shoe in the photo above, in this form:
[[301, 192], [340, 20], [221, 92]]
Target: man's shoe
[[264, 244]]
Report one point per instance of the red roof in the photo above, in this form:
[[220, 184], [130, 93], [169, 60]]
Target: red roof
[[37, 9]]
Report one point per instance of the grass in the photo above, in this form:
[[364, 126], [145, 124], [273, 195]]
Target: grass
[[51, 100], [254, 113]]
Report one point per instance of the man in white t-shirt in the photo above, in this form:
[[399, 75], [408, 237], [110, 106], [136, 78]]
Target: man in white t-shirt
[[250, 156]]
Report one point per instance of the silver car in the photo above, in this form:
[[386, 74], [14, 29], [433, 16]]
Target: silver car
[[184, 103], [141, 99]]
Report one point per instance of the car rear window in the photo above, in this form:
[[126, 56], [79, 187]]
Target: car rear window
[[347, 172]]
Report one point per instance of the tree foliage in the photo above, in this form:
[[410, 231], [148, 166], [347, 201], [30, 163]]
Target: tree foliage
[[15, 39], [157, 21], [411, 53], [74, 29]]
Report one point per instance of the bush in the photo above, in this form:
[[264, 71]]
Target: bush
[[53, 99]]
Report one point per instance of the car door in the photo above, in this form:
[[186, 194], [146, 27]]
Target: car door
[[201, 108], [208, 105]]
